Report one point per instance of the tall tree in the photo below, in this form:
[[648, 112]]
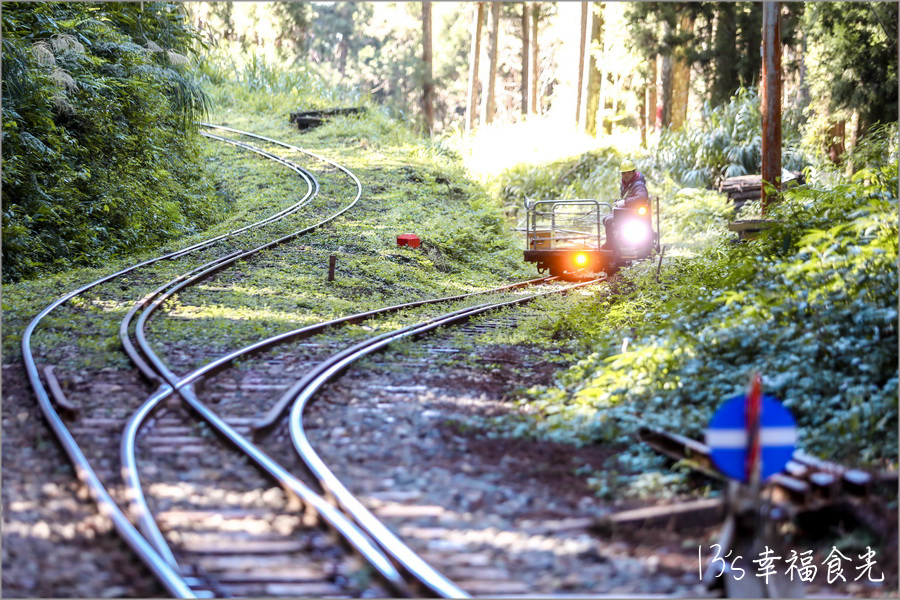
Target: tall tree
[[664, 97], [428, 84], [681, 75], [651, 99], [474, 58], [594, 73], [526, 26], [487, 105], [853, 59], [652, 34], [748, 18], [725, 74], [535, 64], [293, 19], [584, 20]]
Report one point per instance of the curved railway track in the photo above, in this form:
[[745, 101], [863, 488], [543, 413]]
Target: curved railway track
[[202, 461], [215, 556], [162, 565]]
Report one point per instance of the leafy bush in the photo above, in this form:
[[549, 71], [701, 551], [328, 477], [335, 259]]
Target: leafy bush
[[98, 139], [812, 305], [727, 145]]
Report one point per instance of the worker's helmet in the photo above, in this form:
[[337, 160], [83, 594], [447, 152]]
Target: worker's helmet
[[626, 166]]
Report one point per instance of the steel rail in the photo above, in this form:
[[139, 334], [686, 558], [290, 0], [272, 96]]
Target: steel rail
[[285, 145], [301, 393], [276, 411], [128, 446], [170, 579], [223, 361], [180, 283], [312, 191], [139, 505], [137, 501], [347, 530]]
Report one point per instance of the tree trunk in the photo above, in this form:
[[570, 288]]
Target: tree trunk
[[725, 76], [803, 85], [749, 22], [526, 27], [487, 101], [535, 65], [594, 75], [474, 57], [770, 99], [854, 135], [428, 84], [645, 96], [836, 137], [681, 78], [665, 82], [584, 20], [603, 92], [651, 104], [342, 57]]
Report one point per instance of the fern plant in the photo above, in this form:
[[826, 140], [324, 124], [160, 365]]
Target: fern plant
[[98, 133], [728, 144]]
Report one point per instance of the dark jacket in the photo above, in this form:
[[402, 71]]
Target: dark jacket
[[635, 189]]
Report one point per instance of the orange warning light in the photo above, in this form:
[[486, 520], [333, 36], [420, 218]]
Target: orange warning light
[[581, 259], [642, 210]]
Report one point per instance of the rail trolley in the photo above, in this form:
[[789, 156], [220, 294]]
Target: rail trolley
[[566, 237]]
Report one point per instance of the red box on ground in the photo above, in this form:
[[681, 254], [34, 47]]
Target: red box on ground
[[408, 239]]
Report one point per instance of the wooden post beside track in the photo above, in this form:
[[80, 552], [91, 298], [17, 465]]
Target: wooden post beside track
[[331, 262]]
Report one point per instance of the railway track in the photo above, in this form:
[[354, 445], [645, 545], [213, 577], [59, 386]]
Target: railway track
[[280, 538], [207, 462], [109, 399], [255, 397]]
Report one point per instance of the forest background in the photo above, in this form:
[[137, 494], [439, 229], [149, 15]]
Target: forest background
[[502, 84]]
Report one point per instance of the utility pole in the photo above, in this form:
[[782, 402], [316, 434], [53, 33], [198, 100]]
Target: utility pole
[[770, 101]]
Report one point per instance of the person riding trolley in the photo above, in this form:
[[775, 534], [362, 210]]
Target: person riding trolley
[[632, 191]]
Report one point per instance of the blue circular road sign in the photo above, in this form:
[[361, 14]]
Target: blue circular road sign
[[727, 437]]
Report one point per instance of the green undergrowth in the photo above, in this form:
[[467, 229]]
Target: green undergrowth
[[407, 188], [99, 146], [812, 306], [410, 185]]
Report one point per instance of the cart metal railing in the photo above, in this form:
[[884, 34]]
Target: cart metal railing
[[564, 224]]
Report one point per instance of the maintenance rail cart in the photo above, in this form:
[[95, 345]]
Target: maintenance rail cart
[[565, 237]]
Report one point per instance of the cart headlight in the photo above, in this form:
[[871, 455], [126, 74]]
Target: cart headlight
[[635, 232], [581, 259], [642, 210]]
